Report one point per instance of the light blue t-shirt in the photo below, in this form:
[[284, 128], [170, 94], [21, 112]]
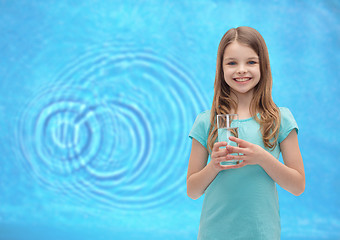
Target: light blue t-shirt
[[242, 203]]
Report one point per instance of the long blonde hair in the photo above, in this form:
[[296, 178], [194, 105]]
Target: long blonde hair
[[262, 101]]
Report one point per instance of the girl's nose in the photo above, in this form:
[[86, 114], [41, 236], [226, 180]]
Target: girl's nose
[[241, 69]]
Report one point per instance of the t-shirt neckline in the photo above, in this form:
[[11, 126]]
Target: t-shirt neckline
[[248, 119]]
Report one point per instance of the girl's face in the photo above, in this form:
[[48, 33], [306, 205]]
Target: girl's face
[[241, 68]]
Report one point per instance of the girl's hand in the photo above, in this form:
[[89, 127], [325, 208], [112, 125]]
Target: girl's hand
[[251, 153], [219, 155]]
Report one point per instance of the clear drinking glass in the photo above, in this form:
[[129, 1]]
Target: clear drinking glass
[[228, 125]]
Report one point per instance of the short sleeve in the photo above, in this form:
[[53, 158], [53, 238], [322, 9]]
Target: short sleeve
[[200, 129], [288, 123]]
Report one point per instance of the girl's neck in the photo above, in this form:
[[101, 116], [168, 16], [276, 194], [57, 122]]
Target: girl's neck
[[243, 104]]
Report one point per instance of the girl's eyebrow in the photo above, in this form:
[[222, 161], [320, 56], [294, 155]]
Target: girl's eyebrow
[[231, 58]]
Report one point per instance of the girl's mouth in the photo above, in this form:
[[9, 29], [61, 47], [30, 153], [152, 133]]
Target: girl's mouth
[[244, 79]]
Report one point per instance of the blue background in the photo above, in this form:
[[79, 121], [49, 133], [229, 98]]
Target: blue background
[[97, 99]]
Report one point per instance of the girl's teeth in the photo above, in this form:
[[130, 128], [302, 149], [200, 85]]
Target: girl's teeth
[[242, 79]]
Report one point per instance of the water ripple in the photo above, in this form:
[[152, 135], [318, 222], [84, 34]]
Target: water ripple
[[113, 128]]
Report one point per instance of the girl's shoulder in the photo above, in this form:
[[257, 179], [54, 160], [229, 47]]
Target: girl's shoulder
[[203, 117], [286, 114], [204, 114], [200, 129], [284, 110], [287, 124]]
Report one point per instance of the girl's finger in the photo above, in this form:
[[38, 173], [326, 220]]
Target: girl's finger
[[236, 150], [217, 146], [225, 167], [235, 157], [220, 153], [221, 159], [240, 141], [241, 164]]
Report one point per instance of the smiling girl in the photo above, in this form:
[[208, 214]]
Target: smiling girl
[[241, 201]]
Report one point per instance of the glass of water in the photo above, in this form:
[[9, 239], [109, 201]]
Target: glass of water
[[227, 126]]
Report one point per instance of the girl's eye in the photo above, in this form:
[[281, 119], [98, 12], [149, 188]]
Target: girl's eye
[[231, 63], [252, 62]]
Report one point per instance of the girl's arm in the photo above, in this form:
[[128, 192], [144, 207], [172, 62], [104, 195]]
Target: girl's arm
[[200, 174], [290, 175]]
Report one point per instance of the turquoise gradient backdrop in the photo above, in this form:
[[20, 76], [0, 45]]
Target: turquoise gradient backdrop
[[97, 99]]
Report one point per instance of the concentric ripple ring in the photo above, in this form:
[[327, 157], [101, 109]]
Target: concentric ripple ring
[[113, 127]]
